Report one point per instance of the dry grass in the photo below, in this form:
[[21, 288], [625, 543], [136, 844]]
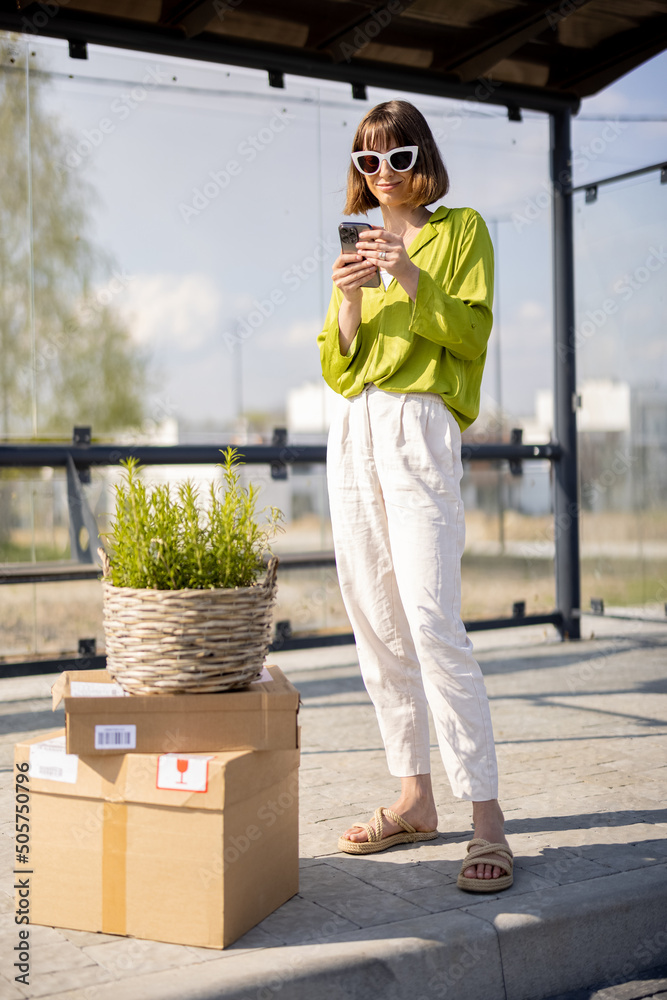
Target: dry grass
[[50, 618]]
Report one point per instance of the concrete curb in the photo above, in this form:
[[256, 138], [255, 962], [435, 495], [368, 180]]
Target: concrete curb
[[523, 947], [570, 936]]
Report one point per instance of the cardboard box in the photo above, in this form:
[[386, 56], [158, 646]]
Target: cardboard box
[[262, 716], [136, 844]]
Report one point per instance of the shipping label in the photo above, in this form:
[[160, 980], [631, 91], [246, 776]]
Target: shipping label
[[50, 761], [95, 689]]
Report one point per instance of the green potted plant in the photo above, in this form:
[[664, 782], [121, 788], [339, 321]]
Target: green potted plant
[[184, 608]]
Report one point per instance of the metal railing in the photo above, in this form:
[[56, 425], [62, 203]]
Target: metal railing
[[82, 455]]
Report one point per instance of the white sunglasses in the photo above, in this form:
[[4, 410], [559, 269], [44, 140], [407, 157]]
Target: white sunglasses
[[400, 159]]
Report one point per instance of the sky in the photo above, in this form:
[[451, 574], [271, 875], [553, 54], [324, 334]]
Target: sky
[[218, 200]]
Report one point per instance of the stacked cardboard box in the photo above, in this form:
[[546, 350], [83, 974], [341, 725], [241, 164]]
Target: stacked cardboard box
[[190, 835]]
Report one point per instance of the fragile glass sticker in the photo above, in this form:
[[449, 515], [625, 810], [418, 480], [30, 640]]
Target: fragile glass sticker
[[183, 772], [96, 689], [115, 737], [50, 761]]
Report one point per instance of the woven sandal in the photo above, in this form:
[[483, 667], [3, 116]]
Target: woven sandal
[[479, 852], [376, 842]]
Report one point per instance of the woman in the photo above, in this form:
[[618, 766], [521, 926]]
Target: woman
[[407, 359]]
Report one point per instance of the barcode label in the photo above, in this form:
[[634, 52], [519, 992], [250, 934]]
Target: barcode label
[[51, 772], [49, 761], [115, 737]]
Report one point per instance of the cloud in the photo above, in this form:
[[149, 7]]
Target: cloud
[[531, 310], [303, 332], [180, 310]]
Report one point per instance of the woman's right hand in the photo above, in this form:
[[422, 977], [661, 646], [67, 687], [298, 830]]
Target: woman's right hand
[[350, 271]]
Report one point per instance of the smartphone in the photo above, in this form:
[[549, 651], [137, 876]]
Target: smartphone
[[349, 237]]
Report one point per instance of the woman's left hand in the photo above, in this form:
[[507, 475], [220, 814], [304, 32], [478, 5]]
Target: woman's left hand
[[387, 250]]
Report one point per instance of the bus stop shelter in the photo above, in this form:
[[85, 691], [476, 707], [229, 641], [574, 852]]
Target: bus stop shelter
[[539, 56]]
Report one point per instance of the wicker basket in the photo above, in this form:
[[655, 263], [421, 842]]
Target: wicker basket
[[188, 641]]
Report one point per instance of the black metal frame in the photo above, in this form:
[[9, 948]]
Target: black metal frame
[[562, 451], [566, 489], [80, 456], [276, 61], [55, 455]]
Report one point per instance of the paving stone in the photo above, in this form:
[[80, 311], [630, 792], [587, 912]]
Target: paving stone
[[12, 990], [57, 956], [254, 939], [563, 866], [573, 737], [398, 879], [302, 920], [85, 980], [622, 857], [349, 897], [249, 944], [83, 938], [46, 955], [133, 957]]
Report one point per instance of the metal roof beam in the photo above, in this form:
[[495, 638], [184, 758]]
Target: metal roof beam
[[586, 72], [191, 16], [126, 34], [506, 34], [366, 29]]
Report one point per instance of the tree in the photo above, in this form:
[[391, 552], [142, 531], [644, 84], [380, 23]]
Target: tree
[[70, 359]]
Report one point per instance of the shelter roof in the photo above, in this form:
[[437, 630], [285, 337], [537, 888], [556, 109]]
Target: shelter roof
[[536, 54]]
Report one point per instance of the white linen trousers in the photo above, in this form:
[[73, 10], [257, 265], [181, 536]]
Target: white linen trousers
[[394, 472]]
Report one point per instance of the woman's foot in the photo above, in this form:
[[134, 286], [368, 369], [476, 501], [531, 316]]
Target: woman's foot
[[415, 804], [488, 822]]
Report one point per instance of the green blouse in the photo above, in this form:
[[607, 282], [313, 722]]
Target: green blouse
[[436, 343]]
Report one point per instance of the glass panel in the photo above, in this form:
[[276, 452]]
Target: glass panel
[[185, 220], [509, 555], [47, 619], [17, 388], [622, 376]]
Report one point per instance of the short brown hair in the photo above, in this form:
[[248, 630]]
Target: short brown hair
[[397, 123]]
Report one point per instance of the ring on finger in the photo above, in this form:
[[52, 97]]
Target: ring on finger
[[383, 255]]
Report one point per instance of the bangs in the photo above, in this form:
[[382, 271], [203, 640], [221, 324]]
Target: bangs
[[378, 134]]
